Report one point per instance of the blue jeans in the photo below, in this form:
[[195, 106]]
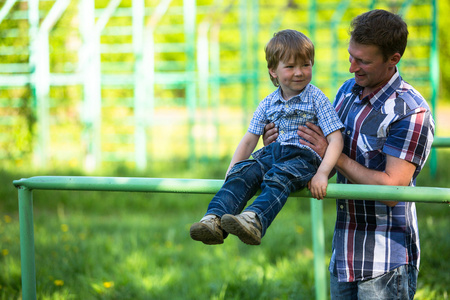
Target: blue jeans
[[399, 283], [279, 171]]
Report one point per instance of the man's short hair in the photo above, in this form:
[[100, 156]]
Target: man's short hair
[[381, 28], [285, 45]]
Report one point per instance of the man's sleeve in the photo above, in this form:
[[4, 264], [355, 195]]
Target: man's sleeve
[[410, 138]]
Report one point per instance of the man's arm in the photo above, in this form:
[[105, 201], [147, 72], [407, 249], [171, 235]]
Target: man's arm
[[397, 172]]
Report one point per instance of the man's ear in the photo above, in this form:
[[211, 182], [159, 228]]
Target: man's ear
[[395, 59]]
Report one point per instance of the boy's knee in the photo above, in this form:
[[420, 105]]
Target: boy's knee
[[247, 168]]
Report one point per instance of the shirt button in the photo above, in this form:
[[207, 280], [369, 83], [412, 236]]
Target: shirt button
[[348, 132], [304, 116], [342, 206], [282, 131], [286, 106]]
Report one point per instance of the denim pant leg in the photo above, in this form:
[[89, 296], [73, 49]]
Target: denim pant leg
[[291, 170], [343, 290], [399, 283], [241, 184]]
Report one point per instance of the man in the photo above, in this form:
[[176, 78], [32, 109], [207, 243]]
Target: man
[[387, 139]]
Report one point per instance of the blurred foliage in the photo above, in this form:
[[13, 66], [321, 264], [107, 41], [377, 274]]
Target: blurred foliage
[[444, 50], [242, 81], [117, 245]]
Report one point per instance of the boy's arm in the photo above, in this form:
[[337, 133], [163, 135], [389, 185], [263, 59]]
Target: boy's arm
[[244, 149], [319, 182]]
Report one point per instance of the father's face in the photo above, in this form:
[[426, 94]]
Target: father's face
[[370, 68]]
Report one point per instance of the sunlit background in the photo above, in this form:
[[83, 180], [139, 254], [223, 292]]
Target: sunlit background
[[87, 83], [160, 88]]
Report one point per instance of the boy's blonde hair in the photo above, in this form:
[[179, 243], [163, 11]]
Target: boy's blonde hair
[[285, 45]]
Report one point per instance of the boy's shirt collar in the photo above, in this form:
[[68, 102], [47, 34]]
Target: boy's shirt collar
[[279, 96]]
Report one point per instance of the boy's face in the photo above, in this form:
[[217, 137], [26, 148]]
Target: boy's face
[[292, 76]]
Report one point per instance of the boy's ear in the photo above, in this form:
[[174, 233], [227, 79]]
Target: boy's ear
[[272, 73]]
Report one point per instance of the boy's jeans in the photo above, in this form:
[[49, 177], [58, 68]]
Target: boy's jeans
[[399, 283], [279, 171]]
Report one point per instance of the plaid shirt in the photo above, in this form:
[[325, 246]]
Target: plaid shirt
[[311, 105], [370, 238]]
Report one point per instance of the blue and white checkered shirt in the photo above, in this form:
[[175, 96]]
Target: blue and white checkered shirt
[[311, 105]]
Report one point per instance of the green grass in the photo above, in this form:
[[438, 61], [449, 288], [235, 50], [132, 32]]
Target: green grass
[[114, 245]]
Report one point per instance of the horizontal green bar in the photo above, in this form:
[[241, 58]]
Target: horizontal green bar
[[14, 80], [441, 142], [211, 186], [15, 68]]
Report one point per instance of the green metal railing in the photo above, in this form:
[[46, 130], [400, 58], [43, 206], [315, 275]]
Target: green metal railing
[[440, 142], [199, 186]]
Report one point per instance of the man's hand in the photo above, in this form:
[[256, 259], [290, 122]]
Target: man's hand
[[314, 138], [270, 134]]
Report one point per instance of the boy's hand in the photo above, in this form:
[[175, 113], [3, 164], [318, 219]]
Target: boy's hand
[[318, 186], [270, 134]]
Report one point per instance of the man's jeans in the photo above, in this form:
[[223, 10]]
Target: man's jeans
[[399, 283], [279, 171]]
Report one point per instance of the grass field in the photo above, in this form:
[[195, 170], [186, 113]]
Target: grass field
[[115, 245]]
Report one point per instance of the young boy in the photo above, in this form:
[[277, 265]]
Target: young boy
[[283, 166]]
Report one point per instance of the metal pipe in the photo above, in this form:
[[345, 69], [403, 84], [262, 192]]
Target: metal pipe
[[140, 89], [148, 69], [318, 239], [434, 77], [190, 19], [440, 142], [199, 186], [211, 186], [6, 8], [27, 243]]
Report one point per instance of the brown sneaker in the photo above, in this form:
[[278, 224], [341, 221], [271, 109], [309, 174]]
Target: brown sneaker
[[209, 231], [246, 227]]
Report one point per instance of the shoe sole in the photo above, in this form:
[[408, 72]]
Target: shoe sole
[[201, 232], [232, 225]]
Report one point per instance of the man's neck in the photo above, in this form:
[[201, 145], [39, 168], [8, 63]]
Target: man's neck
[[367, 91]]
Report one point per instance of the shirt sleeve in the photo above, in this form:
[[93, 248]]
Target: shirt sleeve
[[259, 120], [327, 117], [410, 137]]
